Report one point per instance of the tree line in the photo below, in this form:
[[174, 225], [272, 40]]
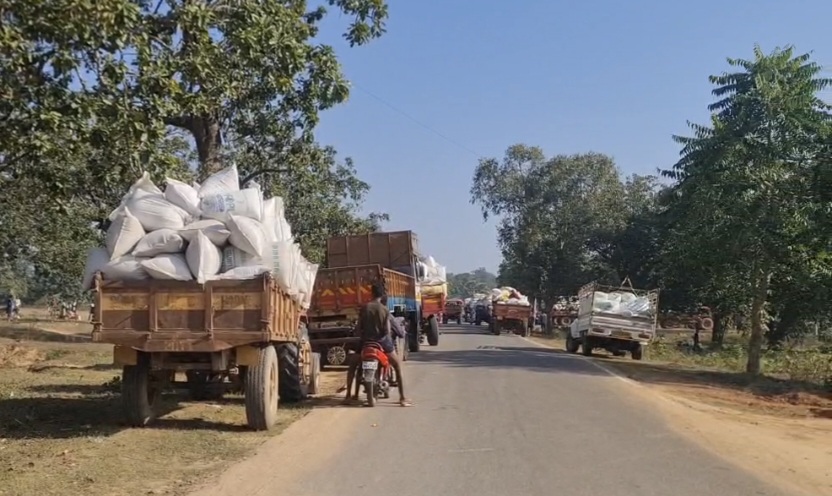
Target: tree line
[[741, 223], [93, 92]]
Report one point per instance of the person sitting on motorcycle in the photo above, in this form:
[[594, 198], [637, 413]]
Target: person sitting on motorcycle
[[374, 326]]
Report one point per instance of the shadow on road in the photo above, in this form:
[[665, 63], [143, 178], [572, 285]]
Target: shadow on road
[[510, 357]]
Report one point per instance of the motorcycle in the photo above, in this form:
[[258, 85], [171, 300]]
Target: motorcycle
[[376, 372]]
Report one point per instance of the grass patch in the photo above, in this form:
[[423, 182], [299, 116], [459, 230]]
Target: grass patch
[[61, 430]]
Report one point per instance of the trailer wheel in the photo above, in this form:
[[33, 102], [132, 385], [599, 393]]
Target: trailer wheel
[[315, 374], [637, 352], [572, 344], [586, 346], [433, 331], [413, 331], [140, 391], [261, 391], [294, 362], [445, 320], [459, 321], [495, 327]]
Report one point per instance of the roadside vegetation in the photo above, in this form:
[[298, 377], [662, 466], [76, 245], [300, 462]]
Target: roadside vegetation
[[740, 223]]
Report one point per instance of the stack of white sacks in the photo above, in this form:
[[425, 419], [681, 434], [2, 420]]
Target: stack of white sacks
[[202, 232], [622, 303], [509, 296], [435, 280]]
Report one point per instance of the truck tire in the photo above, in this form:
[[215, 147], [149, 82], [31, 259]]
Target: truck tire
[[445, 320], [139, 392], [413, 331], [292, 385], [572, 344], [495, 328], [261, 385], [637, 352], [433, 331], [459, 321], [586, 346]]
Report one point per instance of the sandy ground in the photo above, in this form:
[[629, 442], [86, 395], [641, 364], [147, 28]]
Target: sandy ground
[[785, 437]]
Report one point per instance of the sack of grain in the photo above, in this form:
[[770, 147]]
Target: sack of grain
[[158, 242], [169, 266]]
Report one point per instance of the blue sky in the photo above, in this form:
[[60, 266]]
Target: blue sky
[[608, 76]]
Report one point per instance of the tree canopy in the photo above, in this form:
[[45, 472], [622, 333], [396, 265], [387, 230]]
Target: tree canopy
[[92, 93], [742, 227], [466, 284]]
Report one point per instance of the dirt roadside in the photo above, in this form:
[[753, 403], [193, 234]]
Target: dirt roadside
[[780, 432], [61, 431]]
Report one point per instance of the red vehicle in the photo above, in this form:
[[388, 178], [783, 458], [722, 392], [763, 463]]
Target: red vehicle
[[376, 372], [454, 309], [433, 305]]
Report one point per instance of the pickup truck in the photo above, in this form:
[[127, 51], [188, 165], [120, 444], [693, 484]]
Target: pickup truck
[[245, 333], [510, 317], [338, 295], [615, 319]]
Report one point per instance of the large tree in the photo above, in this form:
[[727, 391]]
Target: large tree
[[747, 197]]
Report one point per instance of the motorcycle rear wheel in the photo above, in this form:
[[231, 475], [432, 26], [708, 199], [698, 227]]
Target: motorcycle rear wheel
[[369, 388]]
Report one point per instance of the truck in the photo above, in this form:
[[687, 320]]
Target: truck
[[616, 319], [510, 317], [398, 251], [337, 297], [248, 334], [454, 310]]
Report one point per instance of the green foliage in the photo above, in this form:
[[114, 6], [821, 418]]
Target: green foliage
[[466, 284], [94, 93]]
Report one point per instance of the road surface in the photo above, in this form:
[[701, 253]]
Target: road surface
[[493, 416]]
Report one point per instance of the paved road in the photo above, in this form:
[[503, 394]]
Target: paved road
[[497, 416]]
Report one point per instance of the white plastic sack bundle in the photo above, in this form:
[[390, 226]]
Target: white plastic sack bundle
[[214, 229], [123, 235], [248, 235], [170, 266], [203, 258], [126, 268], [97, 258], [224, 181], [183, 196], [143, 184], [241, 273], [286, 258], [158, 242], [282, 231], [233, 257], [246, 202], [154, 212]]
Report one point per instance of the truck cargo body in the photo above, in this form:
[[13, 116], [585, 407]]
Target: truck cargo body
[[510, 317], [454, 310], [222, 330], [338, 296], [614, 331], [399, 251]]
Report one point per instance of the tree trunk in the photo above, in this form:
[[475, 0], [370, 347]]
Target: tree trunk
[[758, 304], [206, 132], [718, 333]]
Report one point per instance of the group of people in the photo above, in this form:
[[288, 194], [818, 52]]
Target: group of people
[[377, 325]]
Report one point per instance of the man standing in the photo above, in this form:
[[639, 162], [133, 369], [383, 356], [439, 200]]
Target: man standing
[[374, 325]]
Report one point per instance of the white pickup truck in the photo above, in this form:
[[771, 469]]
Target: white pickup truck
[[616, 319]]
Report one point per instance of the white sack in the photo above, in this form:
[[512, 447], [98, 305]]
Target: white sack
[[248, 235], [126, 268], [154, 212], [158, 242], [123, 235], [97, 258], [183, 196], [246, 202], [282, 229], [241, 273], [233, 257], [170, 266], [143, 184], [224, 181], [203, 258], [214, 229]]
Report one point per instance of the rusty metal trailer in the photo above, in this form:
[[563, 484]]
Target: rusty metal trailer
[[339, 294], [245, 332], [510, 317]]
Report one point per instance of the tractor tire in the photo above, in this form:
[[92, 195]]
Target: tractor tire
[[637, 352], [572, 344], [433, 331], [261, 384], [140, 392], [293, 384], [586, 346]]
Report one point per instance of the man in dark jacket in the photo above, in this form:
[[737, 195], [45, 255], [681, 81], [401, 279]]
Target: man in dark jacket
[[375, 325]]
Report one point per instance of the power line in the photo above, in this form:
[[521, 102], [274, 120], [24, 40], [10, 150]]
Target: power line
[[417, 121]]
